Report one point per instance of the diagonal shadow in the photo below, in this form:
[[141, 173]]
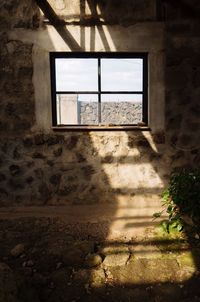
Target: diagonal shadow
[[59, 25], [93, 8]]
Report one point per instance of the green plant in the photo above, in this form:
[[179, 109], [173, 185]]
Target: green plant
[[181, 199]]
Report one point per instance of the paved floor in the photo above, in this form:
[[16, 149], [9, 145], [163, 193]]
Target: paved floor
[[106, 221], [41, 260]]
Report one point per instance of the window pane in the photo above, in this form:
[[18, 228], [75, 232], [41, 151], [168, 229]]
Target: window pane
[[88, 109], [121, 74], [76, 74], [77, 109], [121, 109]]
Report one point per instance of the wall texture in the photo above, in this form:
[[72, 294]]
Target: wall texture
[[39, 166], [111, 113]]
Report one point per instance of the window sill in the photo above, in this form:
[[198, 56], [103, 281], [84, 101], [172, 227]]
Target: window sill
[[100, 128]]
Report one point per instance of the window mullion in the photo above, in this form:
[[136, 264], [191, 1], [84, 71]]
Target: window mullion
[[145, 91], [99, 91], [53, 90]]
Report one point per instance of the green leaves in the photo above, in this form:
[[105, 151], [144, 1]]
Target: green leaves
[[165, 196], [170, 209], [180, 227], [157, 215], [165, 226], [181, 197], [184, 189]]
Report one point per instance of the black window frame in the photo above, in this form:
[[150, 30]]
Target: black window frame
[[99, 56]]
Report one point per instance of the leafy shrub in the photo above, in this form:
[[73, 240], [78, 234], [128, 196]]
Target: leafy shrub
[[181, 198]]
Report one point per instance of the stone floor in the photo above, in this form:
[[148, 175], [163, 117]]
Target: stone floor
[[41, 261], [114, 221]]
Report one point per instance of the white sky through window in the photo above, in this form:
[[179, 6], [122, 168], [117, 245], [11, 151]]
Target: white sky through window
[[121, 74], [75, 74]]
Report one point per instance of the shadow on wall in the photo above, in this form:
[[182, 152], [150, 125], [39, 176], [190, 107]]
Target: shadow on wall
[[100, 13], [59, 25]]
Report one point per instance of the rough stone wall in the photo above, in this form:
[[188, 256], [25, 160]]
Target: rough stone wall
[[16, 68], [61, 169], [182, 82], [113, 12], [85, 168], [17, 96], [44, 167], [111, 113], [19, 14]]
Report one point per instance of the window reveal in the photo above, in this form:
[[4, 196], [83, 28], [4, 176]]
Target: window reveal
[[95, 89]]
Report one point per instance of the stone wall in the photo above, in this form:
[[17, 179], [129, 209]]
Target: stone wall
[[111, 113], [17, 95], [39, 166], [60, 169], [182, 86]]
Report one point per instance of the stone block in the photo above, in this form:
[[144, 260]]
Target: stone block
[[146, 271], [115, 259], [55, 179], [8, 284], [93, 260]]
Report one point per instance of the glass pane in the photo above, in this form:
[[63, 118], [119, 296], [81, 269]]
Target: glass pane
[[77, 109], [119, 109], [76, 75], [121, 74]]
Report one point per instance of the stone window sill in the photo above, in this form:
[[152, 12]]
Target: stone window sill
[[100, 128]]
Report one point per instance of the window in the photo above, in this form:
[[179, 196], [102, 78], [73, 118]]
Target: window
[[99, 89]]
